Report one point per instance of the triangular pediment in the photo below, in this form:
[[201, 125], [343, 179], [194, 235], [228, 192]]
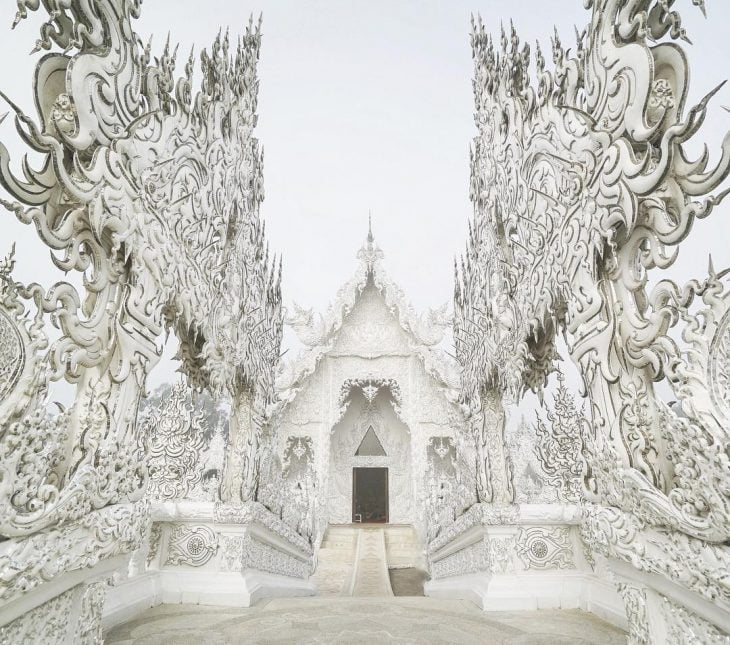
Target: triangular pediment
[[371, 327], [370, 445], [369, 318]]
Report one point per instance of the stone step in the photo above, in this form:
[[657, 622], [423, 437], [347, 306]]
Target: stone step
[[355, 559]]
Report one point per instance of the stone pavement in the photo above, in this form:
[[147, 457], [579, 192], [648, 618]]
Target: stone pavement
[[339, 620]]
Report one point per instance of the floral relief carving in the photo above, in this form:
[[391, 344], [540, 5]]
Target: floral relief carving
[[45, 623], [153, 542], [470, 559], [232, 547], [184, 453], [545, 548], [560, 446], [370, 388], [264, 557], [255, 512], [501, 554], [175, 439], [634, 598], [686, 627], [529, 480], [108, 532], [193, 545]]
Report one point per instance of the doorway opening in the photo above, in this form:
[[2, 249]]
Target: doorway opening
[[370, 495]]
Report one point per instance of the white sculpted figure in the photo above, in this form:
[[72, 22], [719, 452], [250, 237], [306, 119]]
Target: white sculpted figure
[[581, 186], [151, 193]]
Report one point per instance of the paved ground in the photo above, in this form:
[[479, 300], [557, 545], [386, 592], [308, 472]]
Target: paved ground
[[413, 621]]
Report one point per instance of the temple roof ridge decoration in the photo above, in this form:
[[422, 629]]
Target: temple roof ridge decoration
[[318, 332]]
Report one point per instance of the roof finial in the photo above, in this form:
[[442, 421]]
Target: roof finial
[[370, 253]]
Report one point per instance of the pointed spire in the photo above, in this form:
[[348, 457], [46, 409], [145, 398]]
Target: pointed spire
[[370, 253]]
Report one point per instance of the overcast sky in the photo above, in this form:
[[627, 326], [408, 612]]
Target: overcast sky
[[368, 106]]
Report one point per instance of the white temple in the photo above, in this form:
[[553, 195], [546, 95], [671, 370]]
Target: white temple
[[372, 389], [373, 488]]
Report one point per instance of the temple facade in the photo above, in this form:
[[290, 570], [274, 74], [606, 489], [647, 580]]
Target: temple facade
[[372, 394]]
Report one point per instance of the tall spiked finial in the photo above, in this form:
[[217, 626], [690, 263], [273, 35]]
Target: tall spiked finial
[[370, 253]]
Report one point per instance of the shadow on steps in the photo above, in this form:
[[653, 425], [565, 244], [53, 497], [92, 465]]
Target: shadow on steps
[[407, 581]]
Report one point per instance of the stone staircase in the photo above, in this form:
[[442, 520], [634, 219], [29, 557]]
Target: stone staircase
[[335, 561], [403, 549], [354, 560]]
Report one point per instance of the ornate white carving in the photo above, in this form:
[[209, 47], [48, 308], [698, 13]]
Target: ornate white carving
[[185, 444], [581, 186], [560, 447], [297, 484], [545, 548], [370, 387], [175, 439], [634, 598], [396, 442], [151, 195], [450, 488], [529, 480], [361, 355], [264, 557], [686, 627], [249, 512], [501, 554], [510, 342], [193, 545], [470, 559], [28, 562], [319, 333], [153, 542], [49, 622], [232, 552], [477, 515]]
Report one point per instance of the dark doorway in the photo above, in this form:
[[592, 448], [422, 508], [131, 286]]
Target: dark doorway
[[370, 495]]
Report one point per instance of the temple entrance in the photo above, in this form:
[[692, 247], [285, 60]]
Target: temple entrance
[[370, 495]]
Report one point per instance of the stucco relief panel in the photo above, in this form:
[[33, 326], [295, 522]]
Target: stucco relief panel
[[370, 328]]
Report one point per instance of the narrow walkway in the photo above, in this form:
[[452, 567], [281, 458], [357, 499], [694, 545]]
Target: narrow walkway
[[406, 621], [371, 567]]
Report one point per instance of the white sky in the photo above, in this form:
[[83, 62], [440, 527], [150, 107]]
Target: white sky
[[368, 105]]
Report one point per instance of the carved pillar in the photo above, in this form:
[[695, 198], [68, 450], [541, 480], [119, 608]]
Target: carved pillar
[[623, 403], [240, 470], [493, 485]]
